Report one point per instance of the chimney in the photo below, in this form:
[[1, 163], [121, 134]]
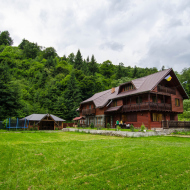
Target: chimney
[[113, 90]]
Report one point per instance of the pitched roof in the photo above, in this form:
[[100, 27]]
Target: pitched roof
[[144, 84], [39, 117], [78, 118], [112, 109]]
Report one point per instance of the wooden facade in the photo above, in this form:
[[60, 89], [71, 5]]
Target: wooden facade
[[44, 122], [137, 102]]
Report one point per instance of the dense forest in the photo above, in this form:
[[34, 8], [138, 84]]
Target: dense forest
[[34, 79]]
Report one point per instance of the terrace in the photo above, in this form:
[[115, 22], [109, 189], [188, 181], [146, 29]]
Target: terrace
[[88, 111], [147, 106], [166, 90]]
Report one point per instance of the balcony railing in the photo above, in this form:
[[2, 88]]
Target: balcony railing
[[88, 111], [166, 90], [147, 106]]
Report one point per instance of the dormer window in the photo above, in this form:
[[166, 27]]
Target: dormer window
[[128, 87], [114, 103]]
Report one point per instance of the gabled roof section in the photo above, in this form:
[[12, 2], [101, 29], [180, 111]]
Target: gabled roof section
[[100, 99], [146, 84], [39, 117]]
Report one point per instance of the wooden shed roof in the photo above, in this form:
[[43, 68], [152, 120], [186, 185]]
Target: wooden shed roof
[[39, 117]]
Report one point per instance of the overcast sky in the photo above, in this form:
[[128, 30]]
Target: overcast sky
[[145, 33]]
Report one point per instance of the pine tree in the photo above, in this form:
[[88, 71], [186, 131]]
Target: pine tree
[[135, 72], [5, 38], [85, 67], [78, 61], [92, 66], [72, 98], [119, 71]]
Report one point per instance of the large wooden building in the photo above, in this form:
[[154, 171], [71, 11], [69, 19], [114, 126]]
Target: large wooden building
[[147, 100]]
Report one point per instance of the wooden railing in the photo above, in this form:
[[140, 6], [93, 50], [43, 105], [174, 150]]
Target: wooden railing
[[175, 124], [88, 111], [166, 90], [147, 106]]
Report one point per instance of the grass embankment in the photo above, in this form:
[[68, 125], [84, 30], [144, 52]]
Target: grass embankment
[[83, 161]]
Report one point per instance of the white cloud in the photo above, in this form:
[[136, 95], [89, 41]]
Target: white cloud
[[143, 33]]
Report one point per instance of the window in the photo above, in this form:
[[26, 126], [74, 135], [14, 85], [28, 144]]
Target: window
[[124, 118], [177, 102], [114, 103], [91, 120], [128, 87], [89, 106], [156, 117], [99, 121], [139, 100]]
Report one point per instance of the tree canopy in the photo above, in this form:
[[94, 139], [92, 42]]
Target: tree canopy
[[33, 80]]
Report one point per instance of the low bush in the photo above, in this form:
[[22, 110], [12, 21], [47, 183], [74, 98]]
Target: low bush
[[92, 125], [143, 128], [108, 125], [132, 128]]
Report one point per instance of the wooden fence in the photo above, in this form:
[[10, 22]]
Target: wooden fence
[[175, 124], [68, 125]]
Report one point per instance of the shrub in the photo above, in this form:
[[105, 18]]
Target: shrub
[[108, 125], [132, 128], [118, 128], [56, 128], [78, 124], [99, 127], [92, 125], [143, 127]]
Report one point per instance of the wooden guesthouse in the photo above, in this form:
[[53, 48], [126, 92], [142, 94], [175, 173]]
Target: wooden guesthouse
[[148, 100]]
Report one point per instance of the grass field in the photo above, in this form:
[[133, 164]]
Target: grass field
[[66, 160]]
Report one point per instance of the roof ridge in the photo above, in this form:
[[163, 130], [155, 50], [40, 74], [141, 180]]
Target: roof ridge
[[146, 77], [152, 74]]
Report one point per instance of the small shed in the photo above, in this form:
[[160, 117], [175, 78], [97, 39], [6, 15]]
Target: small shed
[[45, 121]]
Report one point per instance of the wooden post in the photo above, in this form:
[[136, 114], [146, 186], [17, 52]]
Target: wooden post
[[149, 100], [149, 120], [167, 124]]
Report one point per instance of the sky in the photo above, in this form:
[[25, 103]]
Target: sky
[[145, 33]]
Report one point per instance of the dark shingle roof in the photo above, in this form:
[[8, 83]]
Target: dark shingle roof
[[39, 117], [144, 84]]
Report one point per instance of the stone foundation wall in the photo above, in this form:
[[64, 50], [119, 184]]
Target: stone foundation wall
[[117, 133]]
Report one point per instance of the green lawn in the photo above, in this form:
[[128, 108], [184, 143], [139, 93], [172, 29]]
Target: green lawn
[[66, 160]]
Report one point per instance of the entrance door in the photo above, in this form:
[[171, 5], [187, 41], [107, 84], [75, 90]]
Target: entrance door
[[47, 125], [108, 120]]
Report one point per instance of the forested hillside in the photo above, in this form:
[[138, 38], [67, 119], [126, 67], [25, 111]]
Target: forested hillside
[[34, 79]]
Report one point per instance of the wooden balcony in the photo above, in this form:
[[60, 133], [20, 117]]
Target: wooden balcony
[[166, 90], [88, 111], [147, 106]]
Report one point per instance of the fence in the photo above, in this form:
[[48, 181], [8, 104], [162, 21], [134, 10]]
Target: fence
[[68, 125], [175, 124], [17, 123]]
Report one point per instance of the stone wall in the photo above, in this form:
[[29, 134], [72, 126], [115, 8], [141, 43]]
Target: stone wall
[[118, 133]]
